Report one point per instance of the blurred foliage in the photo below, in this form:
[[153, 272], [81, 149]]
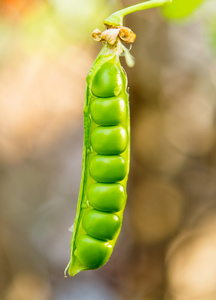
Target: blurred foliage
[[42, 24], [180, 8], [166, 249], [181, 12], [210, 22]]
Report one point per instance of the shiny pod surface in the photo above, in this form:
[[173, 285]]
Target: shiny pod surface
[[109, 111], [101, 225], [108, 168], [91, 252], [107, 81], [109, 197], [109, 140], [105, 167]]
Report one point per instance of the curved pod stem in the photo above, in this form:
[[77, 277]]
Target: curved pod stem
[[116, 19]]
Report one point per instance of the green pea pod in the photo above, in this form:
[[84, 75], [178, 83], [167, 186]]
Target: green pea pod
[[106, 151]]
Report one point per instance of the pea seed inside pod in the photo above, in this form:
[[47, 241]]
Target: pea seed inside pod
[[92, 253], [109, 140], [108, 168], [101, 225], [107, 81], [110, 197], [108, 112]]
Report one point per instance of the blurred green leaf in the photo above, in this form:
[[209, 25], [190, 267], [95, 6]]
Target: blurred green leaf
[[180, 9]]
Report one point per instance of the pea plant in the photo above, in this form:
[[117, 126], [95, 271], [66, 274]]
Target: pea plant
[[106, 149]]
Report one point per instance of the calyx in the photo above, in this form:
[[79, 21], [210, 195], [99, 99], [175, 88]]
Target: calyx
[[112, 34]]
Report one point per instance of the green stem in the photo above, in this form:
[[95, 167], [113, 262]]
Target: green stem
[[116, 19]]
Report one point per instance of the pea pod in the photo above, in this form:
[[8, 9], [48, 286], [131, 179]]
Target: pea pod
[[106, 149]]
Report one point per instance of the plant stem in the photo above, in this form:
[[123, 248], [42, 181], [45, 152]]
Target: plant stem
[[116, 19]]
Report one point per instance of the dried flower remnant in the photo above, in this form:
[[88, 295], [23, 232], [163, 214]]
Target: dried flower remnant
[[111, 35]]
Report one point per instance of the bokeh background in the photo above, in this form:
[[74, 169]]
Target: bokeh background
[[167, 246]]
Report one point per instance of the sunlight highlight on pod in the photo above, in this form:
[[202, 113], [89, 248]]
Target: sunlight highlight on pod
[[106, 151]]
